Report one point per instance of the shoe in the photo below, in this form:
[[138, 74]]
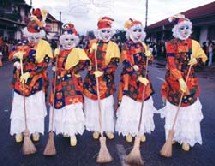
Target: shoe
[[19, 138], [95, 134], [110, 135], [73, 141], [185, 146], [36, 137], [143, 138], [128, 138]]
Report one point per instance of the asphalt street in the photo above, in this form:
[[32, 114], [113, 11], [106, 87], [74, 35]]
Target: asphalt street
[[84, 154]]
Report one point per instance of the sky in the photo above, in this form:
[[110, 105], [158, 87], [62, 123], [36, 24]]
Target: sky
[[84, 14]]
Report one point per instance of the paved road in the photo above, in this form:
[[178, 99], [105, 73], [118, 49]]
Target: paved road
[[84, 154]]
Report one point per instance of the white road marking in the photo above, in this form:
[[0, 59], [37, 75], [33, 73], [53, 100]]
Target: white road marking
[[162, 79], [121, 152]]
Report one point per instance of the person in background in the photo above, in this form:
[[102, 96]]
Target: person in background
[[210, 53], [1, 51]]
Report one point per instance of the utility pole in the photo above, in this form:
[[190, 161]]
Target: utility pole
[[60, 22], [146, 18]]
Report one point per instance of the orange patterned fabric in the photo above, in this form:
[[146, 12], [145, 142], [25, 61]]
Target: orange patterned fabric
[[133, 54], [68, 87], [178, 55], [106, 81]]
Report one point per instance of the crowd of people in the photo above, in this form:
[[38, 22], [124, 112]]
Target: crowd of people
[[76, 104]]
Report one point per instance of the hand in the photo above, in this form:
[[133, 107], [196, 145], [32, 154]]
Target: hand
[[94, 46], [148, 53], [135, 67], [17, 65], [24, 78], [54, 68], [77, 75], [143, 80], [98, 74], [192, 62], [19, 55], [56, 51], [183, 86]]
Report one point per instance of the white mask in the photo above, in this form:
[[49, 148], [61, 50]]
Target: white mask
[[137, 33], [184, 31], [105, 35], [34, 39], [68, 41]]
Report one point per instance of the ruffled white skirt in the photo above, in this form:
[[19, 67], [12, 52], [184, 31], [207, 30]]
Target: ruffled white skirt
[[36, 111], [187, 127], [128, 115], [68, 120], [92, 114]]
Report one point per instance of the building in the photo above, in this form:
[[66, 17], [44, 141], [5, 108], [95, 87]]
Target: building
[[203, 20], [13, 17]]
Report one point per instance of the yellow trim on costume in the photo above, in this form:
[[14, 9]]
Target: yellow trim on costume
[[112, 52], [42, 49], [197, 51], [74, 56]]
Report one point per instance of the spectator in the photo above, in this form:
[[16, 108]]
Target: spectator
[[210, 53]]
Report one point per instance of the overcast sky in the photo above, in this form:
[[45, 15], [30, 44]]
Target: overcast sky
[[85, 13]]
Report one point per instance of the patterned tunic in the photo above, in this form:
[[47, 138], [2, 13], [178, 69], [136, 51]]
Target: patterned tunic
[[133, 54], [35, 61], [68, 83], [178, 55], [107, 63]]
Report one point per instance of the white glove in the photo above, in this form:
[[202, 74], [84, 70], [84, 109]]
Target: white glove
[[98, 74], [53, 68], [183, 86], [148, 53], [19, 55], [135, 67], [143, 80], [192, 62], [17, 65]]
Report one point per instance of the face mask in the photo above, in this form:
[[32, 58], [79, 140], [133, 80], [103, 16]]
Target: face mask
[[184, 31], [105, 35], [68, 42], [34, 39], [136, 34]]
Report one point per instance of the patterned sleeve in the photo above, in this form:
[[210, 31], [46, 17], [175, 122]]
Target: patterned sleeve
[[40, 66], [112, 66], [126, 63]]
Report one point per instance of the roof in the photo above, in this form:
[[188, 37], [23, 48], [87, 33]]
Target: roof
[[198, 12]]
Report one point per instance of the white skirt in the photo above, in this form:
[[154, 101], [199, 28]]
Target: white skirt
[[187, 127], [36, 111], [128, 115], [92, 114], [68, 120]]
